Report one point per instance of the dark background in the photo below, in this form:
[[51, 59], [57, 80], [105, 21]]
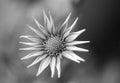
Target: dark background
[[99, 17]]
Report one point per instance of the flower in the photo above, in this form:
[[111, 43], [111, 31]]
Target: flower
[[52, 44]]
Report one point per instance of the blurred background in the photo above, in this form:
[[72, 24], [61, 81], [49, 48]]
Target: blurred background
[[100, 18]]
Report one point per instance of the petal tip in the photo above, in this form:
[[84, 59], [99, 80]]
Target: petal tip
[[21, 36], [58, 76], [83, 30], [87, 50], [27, 25], [83, 60], [33, 17], [29, 66], [20, 42], [87, 41], [20, 49], [22, 58], [52, 76], [38, 73], [78, 61]]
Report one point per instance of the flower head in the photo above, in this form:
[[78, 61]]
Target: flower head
[[52, 44]]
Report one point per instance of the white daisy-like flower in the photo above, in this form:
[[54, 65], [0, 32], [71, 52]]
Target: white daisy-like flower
[[52, 44]]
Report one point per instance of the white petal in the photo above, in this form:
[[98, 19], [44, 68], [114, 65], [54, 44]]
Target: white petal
[[44, 64], [45, 16], [77, 42], [76, 48], [51, 20], [65, 54], [63, 28], [33, 54], [47, 22], [65, 25], [38, 59], [29, 43], [66, 21], [70, 28], [75, 55], [53, 29], [58, 66], [74, 35], [36, 31], [30, 48], [40, 26], [60, 56], [52, 66], [31, 38], [32, 44]]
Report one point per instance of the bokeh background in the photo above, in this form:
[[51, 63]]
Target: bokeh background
[[100, 18]]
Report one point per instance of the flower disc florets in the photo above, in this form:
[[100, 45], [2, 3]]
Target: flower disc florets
[[54, 45]]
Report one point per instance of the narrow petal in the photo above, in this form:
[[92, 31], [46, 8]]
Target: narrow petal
[[38, 24], [52, 66], [42, 29], [47, 22], [65, 54], [29, 43], [32, 44], [74, 35], [63, 29], [76, 48], [53, 29], [45, 16], [38, 59], [31, 38], [51, 20], [44, 64], [58, 66], [75, 56], [64, 25], [70, 28], [33, 54], [66, 21], [77, 42], [60, 56], [36, 31], [30, 48]]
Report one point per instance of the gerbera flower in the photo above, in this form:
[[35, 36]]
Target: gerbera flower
[[52, 44]]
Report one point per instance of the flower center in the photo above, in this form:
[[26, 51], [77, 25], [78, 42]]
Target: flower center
[[54, 46]]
